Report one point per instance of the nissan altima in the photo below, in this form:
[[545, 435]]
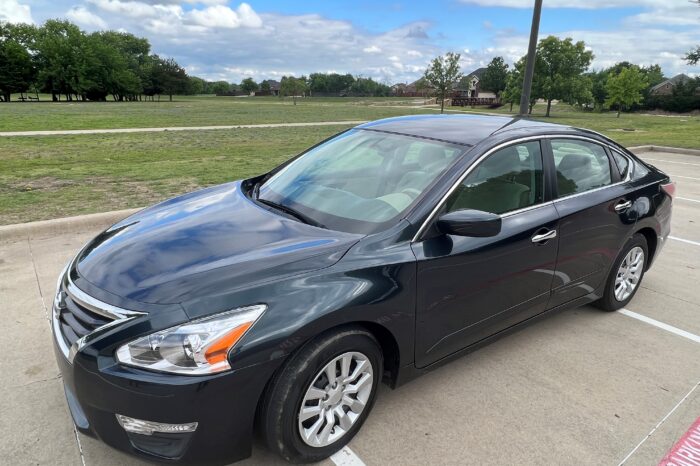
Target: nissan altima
[[275, 305]]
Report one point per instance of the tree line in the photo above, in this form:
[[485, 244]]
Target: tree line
[[317, 84], [60, 59], [562, 73]]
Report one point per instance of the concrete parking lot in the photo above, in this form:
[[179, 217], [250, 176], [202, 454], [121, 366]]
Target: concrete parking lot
[[580, 387]]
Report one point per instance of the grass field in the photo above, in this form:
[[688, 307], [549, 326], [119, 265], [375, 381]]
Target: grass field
[[59, 176], [631, 129], [56, 176], [197, 111]]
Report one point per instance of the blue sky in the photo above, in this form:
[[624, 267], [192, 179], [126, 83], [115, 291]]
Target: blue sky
[[391, 41]]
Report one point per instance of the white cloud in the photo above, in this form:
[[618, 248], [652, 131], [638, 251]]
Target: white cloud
[[581, 4], [14, 12], [372, 49], [135, 9], [220, 16], [83, 17]]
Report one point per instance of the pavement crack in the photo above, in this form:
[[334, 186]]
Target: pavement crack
[[33, 382], [38, 283]]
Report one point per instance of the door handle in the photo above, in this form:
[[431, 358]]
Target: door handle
[[544, 236], [623, 205]]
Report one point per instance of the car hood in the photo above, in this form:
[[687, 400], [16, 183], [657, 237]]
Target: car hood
[[211, 241]]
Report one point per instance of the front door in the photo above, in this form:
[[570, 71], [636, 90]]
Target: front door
[[470, 288]]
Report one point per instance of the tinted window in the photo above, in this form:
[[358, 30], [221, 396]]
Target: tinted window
[[360, 181], [507, 180], [622, 162], [581, 166]]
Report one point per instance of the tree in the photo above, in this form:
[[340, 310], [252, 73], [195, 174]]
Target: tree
[[442, 74], [170, 76], [220, 88], [514, 87], [289, 85], [265, 86], [495, 76], [60, 51], [17, 70], [196, 85], [559, 67], [249, 86], [625, 88]]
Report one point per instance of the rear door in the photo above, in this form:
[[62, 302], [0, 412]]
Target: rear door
[[596, 212], [470, 288]]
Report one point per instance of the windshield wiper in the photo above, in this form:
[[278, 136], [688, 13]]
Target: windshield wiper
[[289, 211]]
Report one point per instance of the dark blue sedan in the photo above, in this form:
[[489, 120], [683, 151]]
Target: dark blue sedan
[[282, 301]]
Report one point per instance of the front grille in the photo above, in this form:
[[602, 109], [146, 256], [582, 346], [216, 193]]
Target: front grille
[[77, 317], [76, 320]]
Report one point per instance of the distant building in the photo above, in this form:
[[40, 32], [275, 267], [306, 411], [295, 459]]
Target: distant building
[[274, 88], [666, 87], [471, 86]]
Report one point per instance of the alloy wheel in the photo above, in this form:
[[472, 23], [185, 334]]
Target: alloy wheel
[[629, 273], [335, 399]]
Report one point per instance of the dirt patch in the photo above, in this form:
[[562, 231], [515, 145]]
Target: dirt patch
[[45, 183]]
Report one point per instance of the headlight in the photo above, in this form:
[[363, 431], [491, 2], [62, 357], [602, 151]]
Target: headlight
[[194, 348]]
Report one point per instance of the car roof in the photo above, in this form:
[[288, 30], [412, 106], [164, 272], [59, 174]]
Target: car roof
[[459, 129]]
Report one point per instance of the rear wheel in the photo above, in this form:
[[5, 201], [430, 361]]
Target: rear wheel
[[625, 275], [320, 399]]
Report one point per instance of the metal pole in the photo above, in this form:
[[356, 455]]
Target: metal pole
[[530, 67]]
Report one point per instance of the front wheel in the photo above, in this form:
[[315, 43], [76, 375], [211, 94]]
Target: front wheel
[[321, 397], [625, 275]]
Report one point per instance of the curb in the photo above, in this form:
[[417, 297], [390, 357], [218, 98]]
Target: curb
[[674, 150], [50, 228]]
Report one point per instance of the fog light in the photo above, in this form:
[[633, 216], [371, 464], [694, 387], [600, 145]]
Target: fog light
[[138, 426]]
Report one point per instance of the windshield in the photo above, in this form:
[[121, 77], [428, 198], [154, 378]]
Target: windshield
[[360, 181]]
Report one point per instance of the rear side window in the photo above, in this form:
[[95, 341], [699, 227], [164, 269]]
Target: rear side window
[[622, 163], [507, 180], [581, 166]]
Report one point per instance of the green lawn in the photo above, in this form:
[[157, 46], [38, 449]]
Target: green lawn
[[197, 111], [631, 129], [59, 176]]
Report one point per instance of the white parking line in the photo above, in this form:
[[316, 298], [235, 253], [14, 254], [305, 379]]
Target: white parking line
[[659, 424], [673, 161], [346, 457], [684, 240], [661, 325], [687, 199]]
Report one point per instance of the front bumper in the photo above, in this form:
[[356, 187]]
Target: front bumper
[[224, 405]]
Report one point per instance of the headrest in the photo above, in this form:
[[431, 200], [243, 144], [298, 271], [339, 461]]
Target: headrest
[[504, 161], [431, 154], [573, 162]]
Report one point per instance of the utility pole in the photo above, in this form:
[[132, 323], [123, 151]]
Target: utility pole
[[530, 67]]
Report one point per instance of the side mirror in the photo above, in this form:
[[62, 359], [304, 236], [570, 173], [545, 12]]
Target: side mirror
[[468, 222]]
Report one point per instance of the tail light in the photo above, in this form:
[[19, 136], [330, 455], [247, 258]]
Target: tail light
[[669, 188]]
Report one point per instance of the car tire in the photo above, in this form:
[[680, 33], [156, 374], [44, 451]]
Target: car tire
[[291, 387], [611, 300]]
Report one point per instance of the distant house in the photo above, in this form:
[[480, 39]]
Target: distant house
[[471, 86], [274, 88], [666, 87], [409, 90]]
